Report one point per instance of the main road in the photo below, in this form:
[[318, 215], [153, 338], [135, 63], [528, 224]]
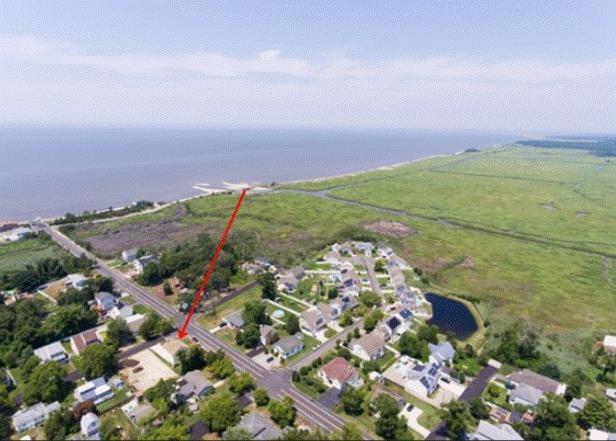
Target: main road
[[275, 382]]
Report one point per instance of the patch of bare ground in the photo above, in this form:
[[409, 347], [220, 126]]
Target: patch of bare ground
[[549, 206], [468, 262], [582, 213], [393, 229]]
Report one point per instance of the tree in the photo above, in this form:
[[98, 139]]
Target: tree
[[597, 413], [151, 274], [346, 319], [192, 358], [457, 419], [553, 421], [46, 383], [98, 360], [389, 425], [412, 346], [249, 337], [110, 430], [370, 299], [550, 369], [254, 312], [118, 333], [60, 425], [241, 383], [352, 401], [222, 368], [372, 320], [167, 288], [236, 433], [221, 411], [348, 432], [153, 326], [282, 412], [292, 324], [332, 293], [173, 428], [428, 333], [69, 320], [268, 285], [160, 395], [478, 409], [261, 397]]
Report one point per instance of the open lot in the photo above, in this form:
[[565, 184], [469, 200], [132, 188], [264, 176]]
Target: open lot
[[15, 255], [213, 319], [149, 370]]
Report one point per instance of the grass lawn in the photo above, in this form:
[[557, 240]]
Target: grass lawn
[[212, 319], [119, 398], [430, 416], [118, 419], [16, 255], [387, 360], [309, 343], [497, 395], [292, 304]]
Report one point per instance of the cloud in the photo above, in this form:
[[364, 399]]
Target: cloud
[[44, 80]]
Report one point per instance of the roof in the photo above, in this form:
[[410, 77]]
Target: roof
[[609, 340], [527, 393], [89, 386], [288, 343], [312, 318], [33, 412], [393, 323], [105, 299], [266, 330], [52, 351], [601, 435], [489, 431], [611, 394], [406, 314], [130, 253], [144, 260], [235, 319], [371, 344], [85, 339], [194, 383], [198, 431], [87, 420], [442, 351], [538, 381], [339, 369], [259, 427], [577, 404]]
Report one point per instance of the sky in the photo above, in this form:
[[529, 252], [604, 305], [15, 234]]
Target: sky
[[515, 66]]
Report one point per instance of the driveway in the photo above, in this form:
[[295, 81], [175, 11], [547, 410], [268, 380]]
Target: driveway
[[330, 398], [411, 420]]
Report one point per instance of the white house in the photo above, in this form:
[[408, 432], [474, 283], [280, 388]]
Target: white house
[[422, 380], [441, 352], [129, 256], [168, 350], [530, 387], [140, 263], [339, 373], [33, 416], [95, 390], [601, 435], [368, 347], [487, 431], [52, 352], [77, 281], [90, 425], [288, 346], [609, 344], [312, 320]]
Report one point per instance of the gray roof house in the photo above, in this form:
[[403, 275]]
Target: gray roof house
[[144, 261], [441, 352], [194, 384], [234, 320], [259, 427], [531, 386], [95, 390], [268, 334], [525, 395], [288, 346], [312, 320], [77, 281], [577, 405], [34, 415], [368, 347], [130, 255], [90, 425], [52, 352], [105, 301], [487, 431]]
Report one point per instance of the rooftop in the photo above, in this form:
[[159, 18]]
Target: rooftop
[[339, 369]]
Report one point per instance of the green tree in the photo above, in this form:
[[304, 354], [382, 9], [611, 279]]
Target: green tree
[[409, 344], [118, 333], [160, 395], [428, 333], [553, 421], [98, 360], [332, 293], [372, 320], [222, 368], [151, 274], [240, 383], [249, 337], [386, 405], [221, 411], [292, 324], [457, 419], [346, 319], [349, 432], [254, 312], [46, 383], [370, 299], [236, 434], [261, 397], [282, 412], [597, 413], [153, 326], [268, 285], [352, 401], [60, 425], [192, 358], [68, 320], [167, 288], [478, 409], [173, 428]]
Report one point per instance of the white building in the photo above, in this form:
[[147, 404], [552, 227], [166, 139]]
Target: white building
[[368, 347], [95, 390], [52, 352], [90, 425], [129, 256], [140, 263], [77, 281], [34, 415], [487, 431], [18, 234]]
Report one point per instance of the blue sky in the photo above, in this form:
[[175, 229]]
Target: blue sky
[[521, 66]]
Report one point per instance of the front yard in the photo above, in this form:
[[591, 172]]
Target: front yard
[[213, 318]]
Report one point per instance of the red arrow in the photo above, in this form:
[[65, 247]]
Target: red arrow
[[210, 269]]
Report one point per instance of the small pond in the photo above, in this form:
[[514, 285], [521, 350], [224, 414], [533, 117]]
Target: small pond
[[451, 316]]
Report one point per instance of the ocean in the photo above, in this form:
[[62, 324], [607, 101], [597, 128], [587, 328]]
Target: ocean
[[47, 172]]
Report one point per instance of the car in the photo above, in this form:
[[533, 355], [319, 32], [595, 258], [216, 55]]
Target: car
[[269, 359], [410, 407]]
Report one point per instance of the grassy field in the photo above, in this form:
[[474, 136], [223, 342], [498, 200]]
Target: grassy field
[[528, 233], [15, 255], [212, 319]]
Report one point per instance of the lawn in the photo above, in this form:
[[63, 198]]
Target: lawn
[[212, 319], [16, 255], [292, 304], [309, 343], [118, 419], [119, 398], [430, 416]]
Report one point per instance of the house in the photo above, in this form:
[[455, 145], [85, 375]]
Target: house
[[136, 411], [234, 320], [120, 312], [601, 435], [287, 283], [611, 394], [364, 247], [368, 347], [251, 268], [577, 405], [140, 263], [288, 346], [330, 312], [134, 322], [333, 258], [95, 390], [441, 352], [105, 301], [346, 302], [383, 331], [422, 379], [384, 251], [81, 341], [33, 416], [193, 384], [488, 431], [338, 373], [18, 234], [530, 387], [268, 335], [77, 281], [90, 425], [129, 256], [52, 352], [312, 320], [259, 427], [609, 344], [168, 350]]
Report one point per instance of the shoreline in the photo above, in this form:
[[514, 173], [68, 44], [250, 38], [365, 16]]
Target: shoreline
[[205, 191]]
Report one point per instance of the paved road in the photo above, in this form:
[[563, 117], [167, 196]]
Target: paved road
[[277, 383], [374, 281]]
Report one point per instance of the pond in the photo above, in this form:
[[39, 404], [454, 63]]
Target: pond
[[451, 316]]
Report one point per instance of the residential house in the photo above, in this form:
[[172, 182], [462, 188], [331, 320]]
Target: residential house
[[77, 281], [169, 349], [140, 263], [611, 394], [345, 302], [530, 387], [130, 256], [122, 312], [105, 301], [312, 320], [259, 427], [52, 352], [136, 411], [288, 346], [422, 379], [601, 435], [368, 347], [383, 331], [96, 390], [18, 234], [193, 384], [81, 341], [287, 282], [268, 334], [384, 251], [441, 353], [33, 416], [487, 431], [609, 344], [234, 320], [364, 247], [251, 268], [90, 425], [338, 373], [134, 322], [333, 258], [577, 405], [330, 312]]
